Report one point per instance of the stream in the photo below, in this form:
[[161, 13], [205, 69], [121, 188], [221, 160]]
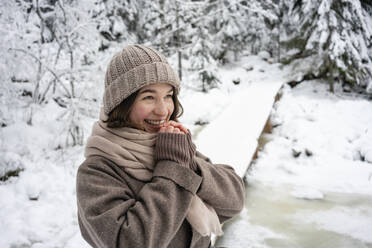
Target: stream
[[273, 217]]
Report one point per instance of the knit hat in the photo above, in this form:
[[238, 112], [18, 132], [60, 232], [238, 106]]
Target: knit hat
[[131, 69]]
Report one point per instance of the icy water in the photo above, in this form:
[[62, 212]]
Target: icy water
[[275, 218]]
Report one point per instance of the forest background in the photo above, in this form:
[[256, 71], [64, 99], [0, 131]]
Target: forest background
[[52, 50]]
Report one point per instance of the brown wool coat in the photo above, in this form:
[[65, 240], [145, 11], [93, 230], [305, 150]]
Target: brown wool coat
[[116, 210]]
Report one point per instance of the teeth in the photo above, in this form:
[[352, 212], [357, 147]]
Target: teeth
[[155, 123]]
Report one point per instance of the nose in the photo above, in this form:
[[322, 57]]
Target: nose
[[161, 108]]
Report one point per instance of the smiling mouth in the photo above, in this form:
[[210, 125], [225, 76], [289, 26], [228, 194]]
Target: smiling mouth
[[155, 123]]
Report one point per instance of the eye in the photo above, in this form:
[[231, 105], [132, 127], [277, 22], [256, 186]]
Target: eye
[[148, 98], [169, 96]]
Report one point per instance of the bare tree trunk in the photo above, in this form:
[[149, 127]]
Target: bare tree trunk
[[180, 64], [280, 16], [39, 69], [278, 42], [179, 53], [162, 22], [42, 23], [70, 51], [331, 79], [330, 74], [36, 92]]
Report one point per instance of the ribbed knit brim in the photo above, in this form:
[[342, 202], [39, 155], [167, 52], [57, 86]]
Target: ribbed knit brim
[[131, 69]]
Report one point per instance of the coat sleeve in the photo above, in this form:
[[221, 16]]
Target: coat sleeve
[[111, 216], [221, 187]]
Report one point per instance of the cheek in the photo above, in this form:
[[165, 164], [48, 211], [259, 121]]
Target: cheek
[[171, 108], [138, 113]]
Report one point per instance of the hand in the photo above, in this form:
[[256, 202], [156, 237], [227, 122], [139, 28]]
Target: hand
[[173, 127], [174, 143]]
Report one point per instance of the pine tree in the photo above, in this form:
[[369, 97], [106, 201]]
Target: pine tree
[[202, 48], [330, 39], [167, 25], [118, 21]]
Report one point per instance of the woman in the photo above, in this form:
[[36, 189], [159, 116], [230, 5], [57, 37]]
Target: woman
[[143, 184]]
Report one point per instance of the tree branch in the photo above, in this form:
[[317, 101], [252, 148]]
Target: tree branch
[[45, 66]]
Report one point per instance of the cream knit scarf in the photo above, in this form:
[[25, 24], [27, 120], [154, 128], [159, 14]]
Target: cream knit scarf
[[133, 149]]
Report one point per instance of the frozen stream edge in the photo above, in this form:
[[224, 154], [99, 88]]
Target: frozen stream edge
[[280, 214]]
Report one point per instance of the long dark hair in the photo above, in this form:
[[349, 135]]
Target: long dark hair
[[119, 116]]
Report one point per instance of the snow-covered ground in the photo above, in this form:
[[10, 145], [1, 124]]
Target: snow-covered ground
[[231, 138], [38, 208], [311, 185], [332, 135]]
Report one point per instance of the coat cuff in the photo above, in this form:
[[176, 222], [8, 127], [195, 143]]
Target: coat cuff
[[176, 147], [180, 175]]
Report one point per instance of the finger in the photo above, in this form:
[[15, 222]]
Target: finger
[[178, 125], [174, 123], [183, 131], [162, 130], [165, 124], [176, 130], [169, 129]]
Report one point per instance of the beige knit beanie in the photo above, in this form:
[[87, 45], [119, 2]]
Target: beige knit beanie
[[131, 69]]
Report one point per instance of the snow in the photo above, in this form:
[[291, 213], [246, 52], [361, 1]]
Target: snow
[[320, 146], [242, 227], [333, 128], [347, 221], [241, 123], [235, 128], [332, 132], [307, 193]]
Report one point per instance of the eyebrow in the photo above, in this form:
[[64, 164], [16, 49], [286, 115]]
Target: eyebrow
[[152, 91]]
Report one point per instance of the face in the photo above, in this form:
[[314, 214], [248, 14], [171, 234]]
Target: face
[[152, 107]]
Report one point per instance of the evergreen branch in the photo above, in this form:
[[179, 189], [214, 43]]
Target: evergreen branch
[[198, 19]]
